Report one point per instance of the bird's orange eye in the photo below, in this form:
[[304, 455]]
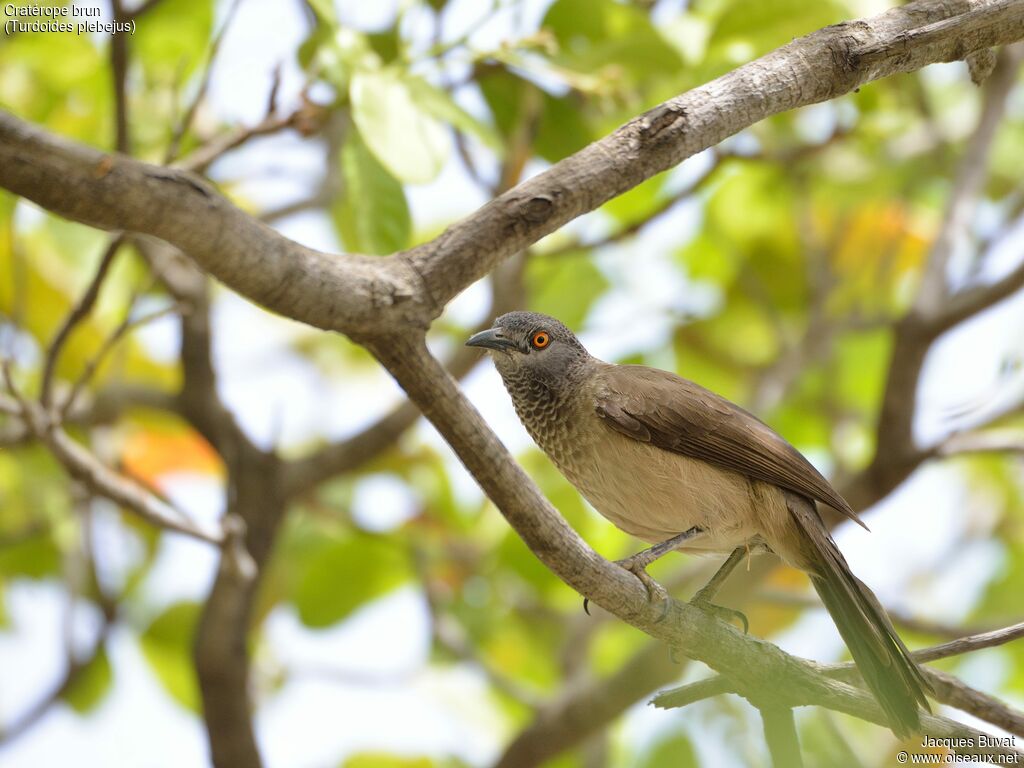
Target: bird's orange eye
[[540, 339]]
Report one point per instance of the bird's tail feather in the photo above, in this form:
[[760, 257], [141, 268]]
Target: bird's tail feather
[[881, 657]]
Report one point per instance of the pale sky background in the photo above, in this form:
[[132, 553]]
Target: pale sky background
[[381, 693]]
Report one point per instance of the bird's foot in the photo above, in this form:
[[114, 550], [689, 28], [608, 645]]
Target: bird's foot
[[636, 565], [720, 612], [655, 592]]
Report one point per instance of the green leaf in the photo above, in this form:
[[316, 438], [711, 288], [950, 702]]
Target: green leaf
[[73, 97], [174, 37], [440, 104], [338, 53], [91, 684], [410, 143], [372, 216], [744, 331], [674, 752], [565, 286], [637, 203], [753, 207], [710, 257], [562, 128], [754, 27], [595, 35], [325, 12], [342, 574], [385, 760], [36, 557], [167, 646], [387, 44], [863, 361]]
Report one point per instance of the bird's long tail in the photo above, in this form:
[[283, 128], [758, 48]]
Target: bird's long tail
[[881, 657]]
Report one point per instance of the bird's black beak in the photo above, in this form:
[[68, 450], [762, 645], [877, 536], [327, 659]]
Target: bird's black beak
[[490, 339]]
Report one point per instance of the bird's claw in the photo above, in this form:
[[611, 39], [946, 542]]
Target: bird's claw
[[655, 592], [727, 615]]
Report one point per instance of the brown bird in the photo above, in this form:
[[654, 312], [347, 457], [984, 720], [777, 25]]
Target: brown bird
[[680, 467]]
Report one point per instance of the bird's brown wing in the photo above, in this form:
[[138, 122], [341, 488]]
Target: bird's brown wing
[[677, 415]]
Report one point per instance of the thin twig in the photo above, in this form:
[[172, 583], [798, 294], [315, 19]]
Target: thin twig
[[124, 328], [186, 122], [971, 174], [77, 314], [965, 443], [119, 72], [81, 464], [202, 157], [970, 643]]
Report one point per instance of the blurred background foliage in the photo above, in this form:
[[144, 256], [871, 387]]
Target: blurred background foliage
[[772, 269]]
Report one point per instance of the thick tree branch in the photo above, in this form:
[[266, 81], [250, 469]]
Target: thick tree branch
[[198, 398], [814, 68], [222, 656], [780, 733], [328, 291], [359, 296], [255, 509], [947, 688]]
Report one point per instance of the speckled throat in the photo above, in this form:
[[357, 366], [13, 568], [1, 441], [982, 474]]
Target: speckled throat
[[548, 410]]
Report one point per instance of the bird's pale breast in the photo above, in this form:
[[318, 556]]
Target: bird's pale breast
[[654, 494]]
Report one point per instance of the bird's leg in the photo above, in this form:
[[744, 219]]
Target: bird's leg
[[706, 593], [637, 564]]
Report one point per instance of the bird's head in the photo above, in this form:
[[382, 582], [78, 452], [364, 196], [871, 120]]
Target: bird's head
[[529, 345]]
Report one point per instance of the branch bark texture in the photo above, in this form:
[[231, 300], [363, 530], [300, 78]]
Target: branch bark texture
[[361, 296]]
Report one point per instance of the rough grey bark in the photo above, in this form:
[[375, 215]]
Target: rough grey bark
[[363, 297]]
